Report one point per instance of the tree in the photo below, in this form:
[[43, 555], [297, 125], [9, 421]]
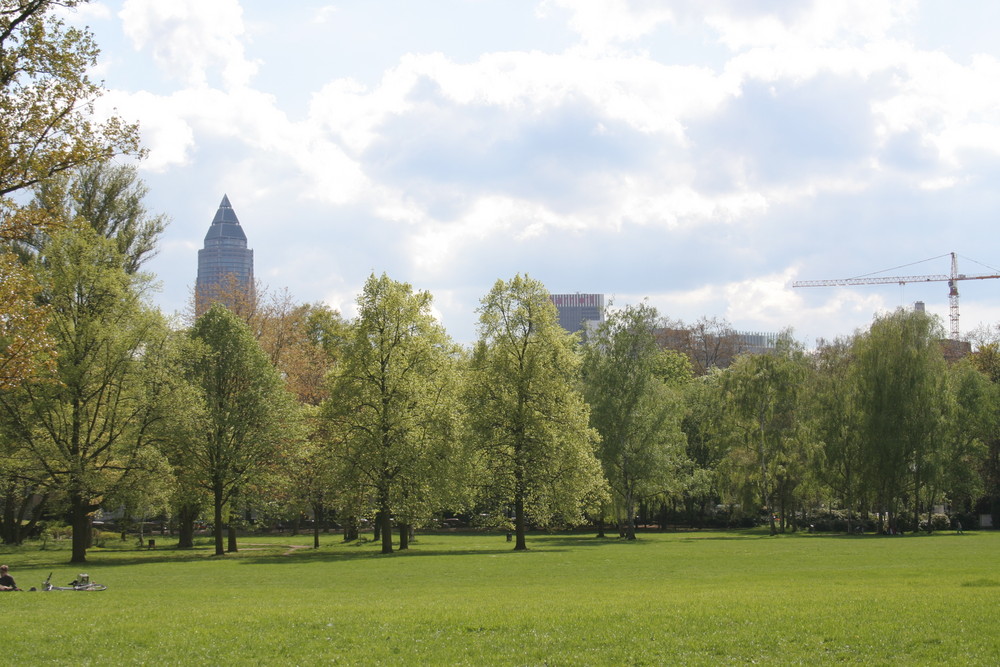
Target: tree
[[109, 198], [834, 416], [635, 405], [705, 427], [393, 404], [527, 416], [986, 359], [764, 394], [302, 341], [709, 342], [246, 410], [90, 424], [46, 100], [972, 401], [899, 375], [47, 97]]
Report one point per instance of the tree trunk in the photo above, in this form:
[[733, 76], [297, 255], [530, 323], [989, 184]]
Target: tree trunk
[[217, 492], [520, 543], [318, 518], [404, 536], [231, 546], [185, 520], [385, 527], [79, 507], [629, 515], [350, 529], [9, 523]]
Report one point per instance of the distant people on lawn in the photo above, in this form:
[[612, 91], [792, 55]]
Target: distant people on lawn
[[7, 581]]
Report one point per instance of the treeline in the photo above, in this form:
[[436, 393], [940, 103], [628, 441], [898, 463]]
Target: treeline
[[266, 409]]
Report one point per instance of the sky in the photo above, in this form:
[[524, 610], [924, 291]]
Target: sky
[[698, 154]]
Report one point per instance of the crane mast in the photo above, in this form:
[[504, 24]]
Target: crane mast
[[951, 279]]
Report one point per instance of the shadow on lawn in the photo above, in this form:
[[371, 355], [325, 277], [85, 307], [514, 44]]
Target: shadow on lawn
[[278, 553]]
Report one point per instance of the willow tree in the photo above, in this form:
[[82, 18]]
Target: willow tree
[[834, 417], [971, 403], [393, 404], [764, 393], [633, 389], [900, 380], [528, 418], [986, 359]]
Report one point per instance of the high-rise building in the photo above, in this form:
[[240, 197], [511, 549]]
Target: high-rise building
[[579, 311], [225, 264]]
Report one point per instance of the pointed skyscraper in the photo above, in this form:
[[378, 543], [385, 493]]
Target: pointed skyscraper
[[225, 264]]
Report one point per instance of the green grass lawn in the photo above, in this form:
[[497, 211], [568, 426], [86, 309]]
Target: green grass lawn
[[676, 598]]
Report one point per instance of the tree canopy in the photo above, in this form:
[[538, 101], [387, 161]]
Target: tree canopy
[[537, 448]]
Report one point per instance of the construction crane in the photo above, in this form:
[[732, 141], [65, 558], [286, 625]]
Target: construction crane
[[952, 281]]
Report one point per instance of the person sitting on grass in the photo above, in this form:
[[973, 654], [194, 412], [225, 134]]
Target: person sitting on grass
[[7, 581]]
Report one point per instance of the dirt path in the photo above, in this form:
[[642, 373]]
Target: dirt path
[[291, 548]]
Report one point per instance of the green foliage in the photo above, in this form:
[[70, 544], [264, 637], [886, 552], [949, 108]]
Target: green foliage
[[109, 198], [46, 101], [90, 425], [393, 405], [632, 387], [245, 411], [764, 395], [528, 419], [899, 373]]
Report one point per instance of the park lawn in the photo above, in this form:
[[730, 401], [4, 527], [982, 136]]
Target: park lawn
[[466, 598]]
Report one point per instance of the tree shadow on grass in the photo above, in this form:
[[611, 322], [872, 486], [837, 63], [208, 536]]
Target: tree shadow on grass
[[271, 554]]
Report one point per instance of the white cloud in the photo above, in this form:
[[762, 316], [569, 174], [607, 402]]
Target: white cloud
[[818, 23], [601, 23], [462, 156], [192, 40]]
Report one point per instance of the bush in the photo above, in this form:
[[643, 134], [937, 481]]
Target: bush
[[940, 522]]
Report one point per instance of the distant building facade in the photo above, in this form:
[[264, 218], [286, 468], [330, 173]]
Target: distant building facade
[[225, 264], [578, 312]]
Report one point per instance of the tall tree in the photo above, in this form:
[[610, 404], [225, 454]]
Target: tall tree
[[986, 359], [526, 413], [636, 405], [393, 401], [705, 426], [88, 426], [246, 413], [900, 378], [764, 394], [834, 416], [972, 401]]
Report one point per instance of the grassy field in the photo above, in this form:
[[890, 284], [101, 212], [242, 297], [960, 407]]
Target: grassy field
[[677, 598]]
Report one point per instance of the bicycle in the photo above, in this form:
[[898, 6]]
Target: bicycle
[[81, 583]]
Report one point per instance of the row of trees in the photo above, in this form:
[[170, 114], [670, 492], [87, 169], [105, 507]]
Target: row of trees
[[281, 408], [267, 408]]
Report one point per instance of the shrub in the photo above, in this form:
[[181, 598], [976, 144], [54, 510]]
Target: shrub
[[940, 522]]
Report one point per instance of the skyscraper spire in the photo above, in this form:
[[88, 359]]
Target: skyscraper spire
[[225, 264]]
